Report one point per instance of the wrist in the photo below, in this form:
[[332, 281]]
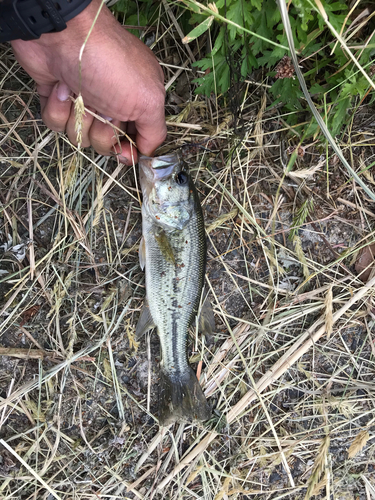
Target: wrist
[[82, 23]]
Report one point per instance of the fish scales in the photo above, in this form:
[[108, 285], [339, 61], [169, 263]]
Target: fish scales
[[173, 289], [174, 255]]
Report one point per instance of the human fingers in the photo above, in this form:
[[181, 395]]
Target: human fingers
[[151, 129], [55, 105], [104, 136], [126, 152]]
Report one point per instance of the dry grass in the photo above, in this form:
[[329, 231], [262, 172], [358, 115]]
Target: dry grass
[[289, 371]]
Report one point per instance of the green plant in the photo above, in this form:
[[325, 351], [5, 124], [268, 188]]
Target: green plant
[[138, 13], [248, 35]]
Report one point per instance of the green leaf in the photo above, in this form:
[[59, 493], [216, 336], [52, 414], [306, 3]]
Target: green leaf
[[218, 67], [339, 117], [240, 13], [221, 3], [206, 84], [219, 41], [260, 21], [305, 12], [257, 4], [288, 91], [136, 20], [355, 87], [121, 6], [248, 63], [199, 30], [317, 89], [224, 80]]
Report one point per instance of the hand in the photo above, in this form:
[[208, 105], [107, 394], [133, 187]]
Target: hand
[[121, 79]]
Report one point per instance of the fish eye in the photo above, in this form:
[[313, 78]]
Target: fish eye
[[181, 178]]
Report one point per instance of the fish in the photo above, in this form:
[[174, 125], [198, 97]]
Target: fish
[[173, 254]]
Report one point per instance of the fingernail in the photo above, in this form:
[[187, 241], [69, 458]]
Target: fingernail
[[108, 118], [63, 92], [122, 159]]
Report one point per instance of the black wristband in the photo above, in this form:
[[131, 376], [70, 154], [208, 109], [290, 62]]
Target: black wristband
[[28, 19]]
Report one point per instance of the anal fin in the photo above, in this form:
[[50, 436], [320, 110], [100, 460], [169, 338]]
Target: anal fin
[[206, 324], [145, 321]]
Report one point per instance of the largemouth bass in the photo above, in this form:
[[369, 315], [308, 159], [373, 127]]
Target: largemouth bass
[[173, 252]]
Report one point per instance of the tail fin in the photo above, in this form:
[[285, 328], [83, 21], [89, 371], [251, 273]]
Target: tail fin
[[181, 398]]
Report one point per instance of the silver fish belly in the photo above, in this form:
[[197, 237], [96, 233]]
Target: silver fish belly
[[173, 252]]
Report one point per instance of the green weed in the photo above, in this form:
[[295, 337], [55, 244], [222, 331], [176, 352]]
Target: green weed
[[249, 36]]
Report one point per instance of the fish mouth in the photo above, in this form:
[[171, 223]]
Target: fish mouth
[[160, 166]]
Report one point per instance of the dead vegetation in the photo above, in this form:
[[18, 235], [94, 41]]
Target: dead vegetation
[[290, 370]]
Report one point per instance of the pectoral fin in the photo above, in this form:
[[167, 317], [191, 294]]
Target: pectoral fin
[[142, 253], [145, 322]]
